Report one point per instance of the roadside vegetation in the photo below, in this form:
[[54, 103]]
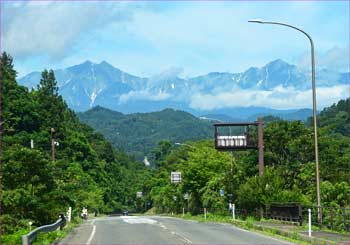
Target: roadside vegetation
[[88, 172], [289, 174]]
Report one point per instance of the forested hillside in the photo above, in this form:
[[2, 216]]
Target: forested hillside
[[289, 169], [336, 118], [139, 133], [86, 171]]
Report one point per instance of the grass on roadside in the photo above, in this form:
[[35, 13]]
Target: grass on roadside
[[51, 237], [14, 238], [42, 238]]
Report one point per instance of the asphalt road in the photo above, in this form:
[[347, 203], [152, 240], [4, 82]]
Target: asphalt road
[[161, 230]]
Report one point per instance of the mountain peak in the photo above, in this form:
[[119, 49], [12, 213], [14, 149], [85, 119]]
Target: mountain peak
[[87, 62], [104, 63], [103, 111], [278, 63]]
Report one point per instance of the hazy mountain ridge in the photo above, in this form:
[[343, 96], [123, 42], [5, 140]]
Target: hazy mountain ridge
[[139, 133], [88, 84]]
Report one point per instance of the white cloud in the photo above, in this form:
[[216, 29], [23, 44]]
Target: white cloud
[[172, 72], [52, 28], [216, 36], [278, 98], [143, 95], [146, 37], [335, 59]]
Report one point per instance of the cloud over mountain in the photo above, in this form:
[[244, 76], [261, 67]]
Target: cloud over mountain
[[334, 59], [279, 98], [276, 85]]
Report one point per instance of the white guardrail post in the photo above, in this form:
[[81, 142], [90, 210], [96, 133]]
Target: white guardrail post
[[309, 210], [233, 211], [69, 214]]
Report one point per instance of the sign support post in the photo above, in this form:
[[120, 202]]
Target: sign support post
[[261, 146]]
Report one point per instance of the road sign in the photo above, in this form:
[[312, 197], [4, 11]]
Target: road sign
[[139, 194], [186, 196], [222, 192], [175, 177]]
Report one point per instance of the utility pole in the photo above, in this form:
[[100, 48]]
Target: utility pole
[[261, 145], [53, 144]]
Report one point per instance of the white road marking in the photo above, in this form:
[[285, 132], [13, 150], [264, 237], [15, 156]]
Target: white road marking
[[186, 240], [143, 220], [138, 220], [232, 226], [163, 226], [181, 237], [92, 235]]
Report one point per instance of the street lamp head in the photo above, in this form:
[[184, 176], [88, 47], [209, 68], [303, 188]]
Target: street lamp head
[[177, 143], [260, 21]]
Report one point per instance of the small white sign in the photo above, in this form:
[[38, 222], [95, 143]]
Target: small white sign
[[139, 194], [175, 177], [232, 141]]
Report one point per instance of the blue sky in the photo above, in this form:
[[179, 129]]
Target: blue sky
[[146, 38], [184, 38]]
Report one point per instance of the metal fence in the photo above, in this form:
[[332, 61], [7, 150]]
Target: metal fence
[[28, 238], [333, 218]]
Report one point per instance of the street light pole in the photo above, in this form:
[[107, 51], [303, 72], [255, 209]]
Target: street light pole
[[319, 215], [1, 135]]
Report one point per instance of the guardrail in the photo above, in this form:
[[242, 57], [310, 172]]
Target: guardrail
[[28, 238]]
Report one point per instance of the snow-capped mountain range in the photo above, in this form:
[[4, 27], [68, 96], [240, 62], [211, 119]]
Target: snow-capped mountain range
[[89, 84]]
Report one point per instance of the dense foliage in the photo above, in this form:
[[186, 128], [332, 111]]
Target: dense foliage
[[289, 168], [139, 133], [336, 118], [86, 172]]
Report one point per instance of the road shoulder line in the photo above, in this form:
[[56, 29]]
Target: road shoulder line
[[91, 235]]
